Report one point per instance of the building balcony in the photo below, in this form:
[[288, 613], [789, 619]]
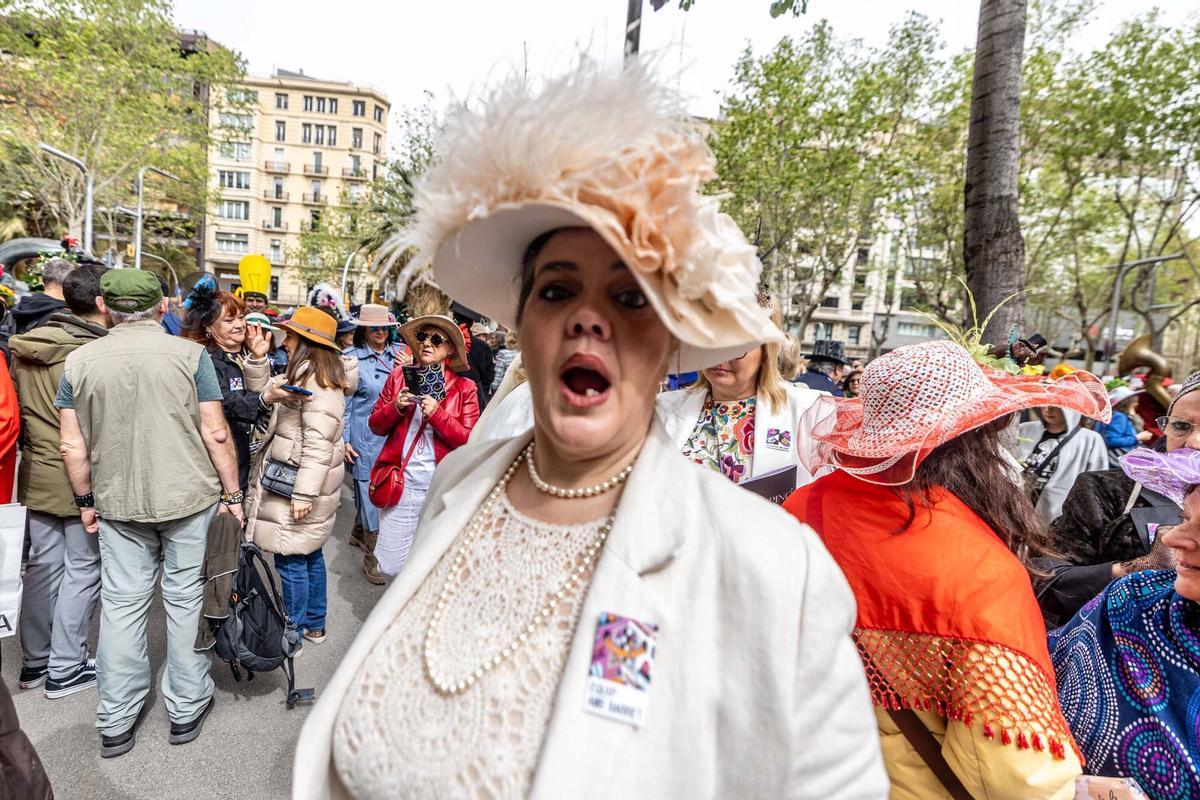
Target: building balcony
[[314, 199], [353, 174], [277, 166], [271, 194], [268, 225], [316, 169]]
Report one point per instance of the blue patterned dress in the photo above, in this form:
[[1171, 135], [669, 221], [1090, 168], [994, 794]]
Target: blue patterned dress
[[1128, 667]]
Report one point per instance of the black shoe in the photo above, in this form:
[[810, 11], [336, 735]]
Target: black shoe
[[122, 743], [84, 677], [33, 676], [184, 732]]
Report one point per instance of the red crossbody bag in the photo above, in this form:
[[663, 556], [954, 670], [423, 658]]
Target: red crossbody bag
[[387, 480]]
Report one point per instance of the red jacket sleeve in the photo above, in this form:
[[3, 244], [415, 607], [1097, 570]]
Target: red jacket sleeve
[[385, 416], [454, 431]]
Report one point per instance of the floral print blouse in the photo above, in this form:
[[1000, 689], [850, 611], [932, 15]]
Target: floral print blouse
[[723, 439]]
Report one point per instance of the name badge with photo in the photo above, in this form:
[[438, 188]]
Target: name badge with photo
[[618, 681], [779, 439], [236, 384]]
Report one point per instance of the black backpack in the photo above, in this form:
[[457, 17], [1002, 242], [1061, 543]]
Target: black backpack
[[258, 635]]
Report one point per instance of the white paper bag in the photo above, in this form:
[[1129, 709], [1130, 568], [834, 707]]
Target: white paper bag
[[12, 541]]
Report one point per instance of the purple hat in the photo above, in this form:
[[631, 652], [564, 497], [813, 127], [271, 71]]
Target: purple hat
[[1174, 474]]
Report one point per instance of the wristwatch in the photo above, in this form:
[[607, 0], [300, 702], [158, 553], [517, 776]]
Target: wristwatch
[[232, 498], [85, 500]]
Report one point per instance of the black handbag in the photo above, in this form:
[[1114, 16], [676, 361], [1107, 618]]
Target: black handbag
[[279, 477]]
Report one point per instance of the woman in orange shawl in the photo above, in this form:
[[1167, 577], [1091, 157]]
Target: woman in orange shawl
[[927, 522]]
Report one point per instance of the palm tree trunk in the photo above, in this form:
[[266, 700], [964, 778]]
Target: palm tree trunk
[[993, 249]]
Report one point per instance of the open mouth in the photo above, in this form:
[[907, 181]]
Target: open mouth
[[584, 380]]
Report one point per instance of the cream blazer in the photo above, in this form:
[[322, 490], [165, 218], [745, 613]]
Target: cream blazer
[[757, 690], [680, 409]]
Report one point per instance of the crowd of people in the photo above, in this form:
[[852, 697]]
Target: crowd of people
[[977, 578]]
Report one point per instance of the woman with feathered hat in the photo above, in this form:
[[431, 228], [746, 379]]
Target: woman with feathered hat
[[584, 611], [926, 518]]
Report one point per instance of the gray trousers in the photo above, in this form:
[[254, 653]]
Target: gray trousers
[[62, 584], [131, 553]]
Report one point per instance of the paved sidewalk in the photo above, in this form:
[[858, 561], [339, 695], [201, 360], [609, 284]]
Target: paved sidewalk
[[245, 751]]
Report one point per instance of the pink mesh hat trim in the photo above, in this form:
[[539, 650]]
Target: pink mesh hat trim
[[919, 397], [1173, 474]]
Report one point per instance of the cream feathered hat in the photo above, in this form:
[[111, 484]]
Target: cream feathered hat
[[608, 150]]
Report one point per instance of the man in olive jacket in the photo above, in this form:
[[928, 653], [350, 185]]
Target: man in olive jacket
[[62, 577]]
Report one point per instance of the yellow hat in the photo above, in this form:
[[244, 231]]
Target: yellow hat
[[1061, 371], [255, 273]]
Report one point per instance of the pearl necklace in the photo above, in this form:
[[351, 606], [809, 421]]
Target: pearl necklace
[[450, 687], [570, 494]]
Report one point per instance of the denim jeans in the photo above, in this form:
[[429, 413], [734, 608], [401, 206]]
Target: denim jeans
[[302, 579]]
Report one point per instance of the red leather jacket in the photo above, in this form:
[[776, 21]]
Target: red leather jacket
[[451, 422]]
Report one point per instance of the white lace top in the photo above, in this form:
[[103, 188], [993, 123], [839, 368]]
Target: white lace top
[[395, 736]]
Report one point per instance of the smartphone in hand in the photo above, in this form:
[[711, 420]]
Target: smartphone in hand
[[287, 387], [412, 379]]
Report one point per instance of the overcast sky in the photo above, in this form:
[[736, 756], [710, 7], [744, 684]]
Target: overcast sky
[[451, 47]]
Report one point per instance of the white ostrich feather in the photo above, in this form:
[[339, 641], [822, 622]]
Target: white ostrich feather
[[615, 146]]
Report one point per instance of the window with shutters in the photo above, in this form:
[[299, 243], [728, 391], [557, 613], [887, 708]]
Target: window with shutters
[[234, 209], [233, 179], [233, 243]]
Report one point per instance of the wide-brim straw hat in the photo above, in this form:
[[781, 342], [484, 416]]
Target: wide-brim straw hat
[[603, 149], [373, 315], [313, 325], [917, 398], [448, 328]]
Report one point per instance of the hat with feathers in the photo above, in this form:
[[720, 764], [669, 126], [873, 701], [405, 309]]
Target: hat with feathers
[[200, 303], [328, 299], [606, 149]]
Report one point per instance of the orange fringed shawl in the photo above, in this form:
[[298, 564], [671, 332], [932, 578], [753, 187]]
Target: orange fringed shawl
[[947, 618]]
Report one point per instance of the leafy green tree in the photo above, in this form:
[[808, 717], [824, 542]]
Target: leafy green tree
[[113, 83], [806, 150]]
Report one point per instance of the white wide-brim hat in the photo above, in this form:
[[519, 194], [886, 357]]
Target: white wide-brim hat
[[599, 149], [480, 266]]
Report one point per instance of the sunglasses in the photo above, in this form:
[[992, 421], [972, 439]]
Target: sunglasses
[[1175, 427], [435, 339]]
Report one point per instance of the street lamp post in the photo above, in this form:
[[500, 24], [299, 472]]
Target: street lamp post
[[137, 230], [1110, 349], [88, 190], [633, 30], [345, 275]]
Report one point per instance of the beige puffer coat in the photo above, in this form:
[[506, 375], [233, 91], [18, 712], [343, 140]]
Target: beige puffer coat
[[307, 435]]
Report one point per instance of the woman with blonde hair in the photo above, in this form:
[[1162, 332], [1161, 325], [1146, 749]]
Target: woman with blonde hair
[[559, 630], [742, 418]]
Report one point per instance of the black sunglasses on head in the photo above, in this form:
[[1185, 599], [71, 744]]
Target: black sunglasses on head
[[435, 339]]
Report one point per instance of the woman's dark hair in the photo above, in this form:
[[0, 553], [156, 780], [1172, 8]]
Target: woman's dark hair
[[972, 468], [360, 336], [527, 261], [321, 363]]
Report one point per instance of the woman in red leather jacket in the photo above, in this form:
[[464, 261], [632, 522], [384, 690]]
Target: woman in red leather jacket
[[421, 427]]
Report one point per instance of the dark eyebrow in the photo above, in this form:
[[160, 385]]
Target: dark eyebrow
[[559, 266]]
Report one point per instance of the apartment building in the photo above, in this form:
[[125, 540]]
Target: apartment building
[[873, 297], [289, 146]]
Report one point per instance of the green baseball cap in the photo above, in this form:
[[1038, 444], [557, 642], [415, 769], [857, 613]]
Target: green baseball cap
[[130, 290]]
